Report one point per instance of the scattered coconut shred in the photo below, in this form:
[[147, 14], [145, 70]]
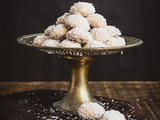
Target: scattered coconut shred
[[81, 24], [78, 21]]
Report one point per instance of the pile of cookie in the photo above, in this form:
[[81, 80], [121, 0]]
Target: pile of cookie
[[94, 111], [81, 27]]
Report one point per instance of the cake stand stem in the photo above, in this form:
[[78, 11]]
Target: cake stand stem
[[78, 91]]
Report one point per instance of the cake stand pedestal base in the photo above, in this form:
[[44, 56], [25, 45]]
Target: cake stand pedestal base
[[78, 92]]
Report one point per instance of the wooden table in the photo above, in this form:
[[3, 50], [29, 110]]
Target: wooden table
[[145, 94]]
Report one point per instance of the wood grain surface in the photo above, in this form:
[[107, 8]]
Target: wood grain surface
[[144, 94]]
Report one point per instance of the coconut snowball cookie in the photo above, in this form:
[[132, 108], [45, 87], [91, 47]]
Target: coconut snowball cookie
[[75, 20], [113, 115], [114, 32], [96, 21], [115, 41], [58, 32], [48, 30], [90, 110], [51, 43], [82, 8], [40, 39], [61, 19], [70, 44], [79, 35], [95, 43], [80, 27], [100, 34]]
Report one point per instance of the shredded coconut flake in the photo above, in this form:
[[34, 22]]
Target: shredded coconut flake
[[90, 110], [76, 20], [70, 44], [114, 32], [48, 30], [94, 43], [113, 115], [58, 32], [96, 21], [79, 35], [100, 34], [40, 39], [51, 43], [61, 19], [82, 8], [115, 41]]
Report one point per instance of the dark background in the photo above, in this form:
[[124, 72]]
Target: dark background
[[137, 18]]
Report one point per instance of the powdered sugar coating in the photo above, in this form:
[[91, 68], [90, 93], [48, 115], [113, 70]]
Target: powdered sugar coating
[[100, 34], [114, 32], [61, 19], [51, 43], [70, 44], [80, 35], [82, 8], [94, 43], [58, 32], [96, 21], [75, 20], [48, 30], [115, 41], [113, 115], [40, 39], [90, 110]]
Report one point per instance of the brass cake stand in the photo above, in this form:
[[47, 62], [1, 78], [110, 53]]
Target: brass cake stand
[[79, 60]]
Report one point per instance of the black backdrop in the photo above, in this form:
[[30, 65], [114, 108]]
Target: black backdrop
[[137, 18]]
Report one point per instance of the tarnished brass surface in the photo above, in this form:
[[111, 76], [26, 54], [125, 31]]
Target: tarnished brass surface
[[78, 91], [130, 42]]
